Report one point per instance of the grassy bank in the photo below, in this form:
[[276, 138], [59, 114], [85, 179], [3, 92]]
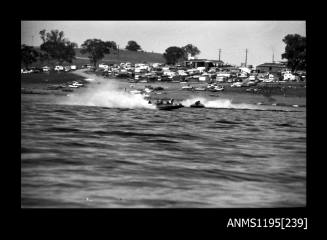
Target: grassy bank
[[113, 58], [48, 83], [50, 78], [128, 56], [42, 84], [42, 80], [286, 89]]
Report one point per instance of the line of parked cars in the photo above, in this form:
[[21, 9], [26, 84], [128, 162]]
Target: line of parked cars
[[238, 77], [57, 68]]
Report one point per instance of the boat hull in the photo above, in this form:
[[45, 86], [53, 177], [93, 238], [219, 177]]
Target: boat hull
[[197, 106], [169, 107]]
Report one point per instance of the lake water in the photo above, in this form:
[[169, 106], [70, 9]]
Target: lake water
[[79, 153]]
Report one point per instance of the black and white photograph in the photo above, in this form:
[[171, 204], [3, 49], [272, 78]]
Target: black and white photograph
[[163, 114]]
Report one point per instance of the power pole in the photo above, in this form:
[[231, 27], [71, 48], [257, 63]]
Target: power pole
[[246, 57], [219, 64], [32, 40], [273, 59]]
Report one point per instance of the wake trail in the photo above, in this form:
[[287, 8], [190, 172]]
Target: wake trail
[[221, 103]]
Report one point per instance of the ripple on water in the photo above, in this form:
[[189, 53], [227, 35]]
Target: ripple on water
[[83, 156]]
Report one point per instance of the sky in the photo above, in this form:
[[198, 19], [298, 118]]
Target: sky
[[262, 39]]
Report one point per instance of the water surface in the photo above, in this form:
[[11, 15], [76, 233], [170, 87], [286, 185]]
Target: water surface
[[90, 156]]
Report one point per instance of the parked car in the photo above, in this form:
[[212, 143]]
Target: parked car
[[250, 83], [289, 76], [26, 71], [59, 68], [103, 66], [36, 70], [45, 69], [237, 84]]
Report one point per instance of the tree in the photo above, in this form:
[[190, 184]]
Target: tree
[[43, 57], [174, 54], [97, 48], [133, 46], [190, 49], [28, 55], [295, 51], [57, 47]]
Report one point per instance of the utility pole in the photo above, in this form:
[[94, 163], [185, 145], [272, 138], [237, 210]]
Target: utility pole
[[246, 57], [32, 40], [219, 64], [273, 59]]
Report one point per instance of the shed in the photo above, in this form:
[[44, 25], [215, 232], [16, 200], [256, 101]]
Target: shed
[[271, 67]]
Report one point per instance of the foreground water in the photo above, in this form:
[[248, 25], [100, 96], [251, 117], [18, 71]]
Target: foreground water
[[94, 156]]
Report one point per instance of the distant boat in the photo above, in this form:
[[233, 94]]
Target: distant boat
[[89, 79], [135, 92], [219, 88], [212, 90], [199, 89], [72, 86], [77, 83], [187, 87], [147, 90]]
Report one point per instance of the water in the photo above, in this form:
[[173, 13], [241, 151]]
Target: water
[[81, 155]]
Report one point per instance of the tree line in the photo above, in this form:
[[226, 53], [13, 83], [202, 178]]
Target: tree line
[[58, 48], [55, 47]]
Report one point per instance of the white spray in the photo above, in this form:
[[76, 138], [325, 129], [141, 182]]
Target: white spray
[[106, 94], [219, 103]]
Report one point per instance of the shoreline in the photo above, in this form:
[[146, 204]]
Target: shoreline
[[171, 89], [287, 89]]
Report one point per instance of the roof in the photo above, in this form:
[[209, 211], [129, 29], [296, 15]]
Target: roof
[[202, 60], [272, 65]]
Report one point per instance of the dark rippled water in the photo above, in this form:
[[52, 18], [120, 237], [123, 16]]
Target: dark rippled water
[[80, 156]]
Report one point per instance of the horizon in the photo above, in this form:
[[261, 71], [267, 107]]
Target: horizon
[[263, 39]]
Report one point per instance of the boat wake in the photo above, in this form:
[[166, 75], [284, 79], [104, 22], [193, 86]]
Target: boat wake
[[106, 95], [221, 103]]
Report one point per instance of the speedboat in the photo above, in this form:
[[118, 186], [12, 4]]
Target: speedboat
[[147, 90], [199, 89], [169, 106], [212, 90], [187, 87], [219, 88], [135, 92], [197, 104], [72, 86], [89, 79], [77, 83]]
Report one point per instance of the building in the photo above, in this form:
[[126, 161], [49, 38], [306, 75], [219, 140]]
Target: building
[[271, 67], [195, 63]]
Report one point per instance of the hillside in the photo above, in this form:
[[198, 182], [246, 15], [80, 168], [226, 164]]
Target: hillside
[[127, 56], [123, 56]]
